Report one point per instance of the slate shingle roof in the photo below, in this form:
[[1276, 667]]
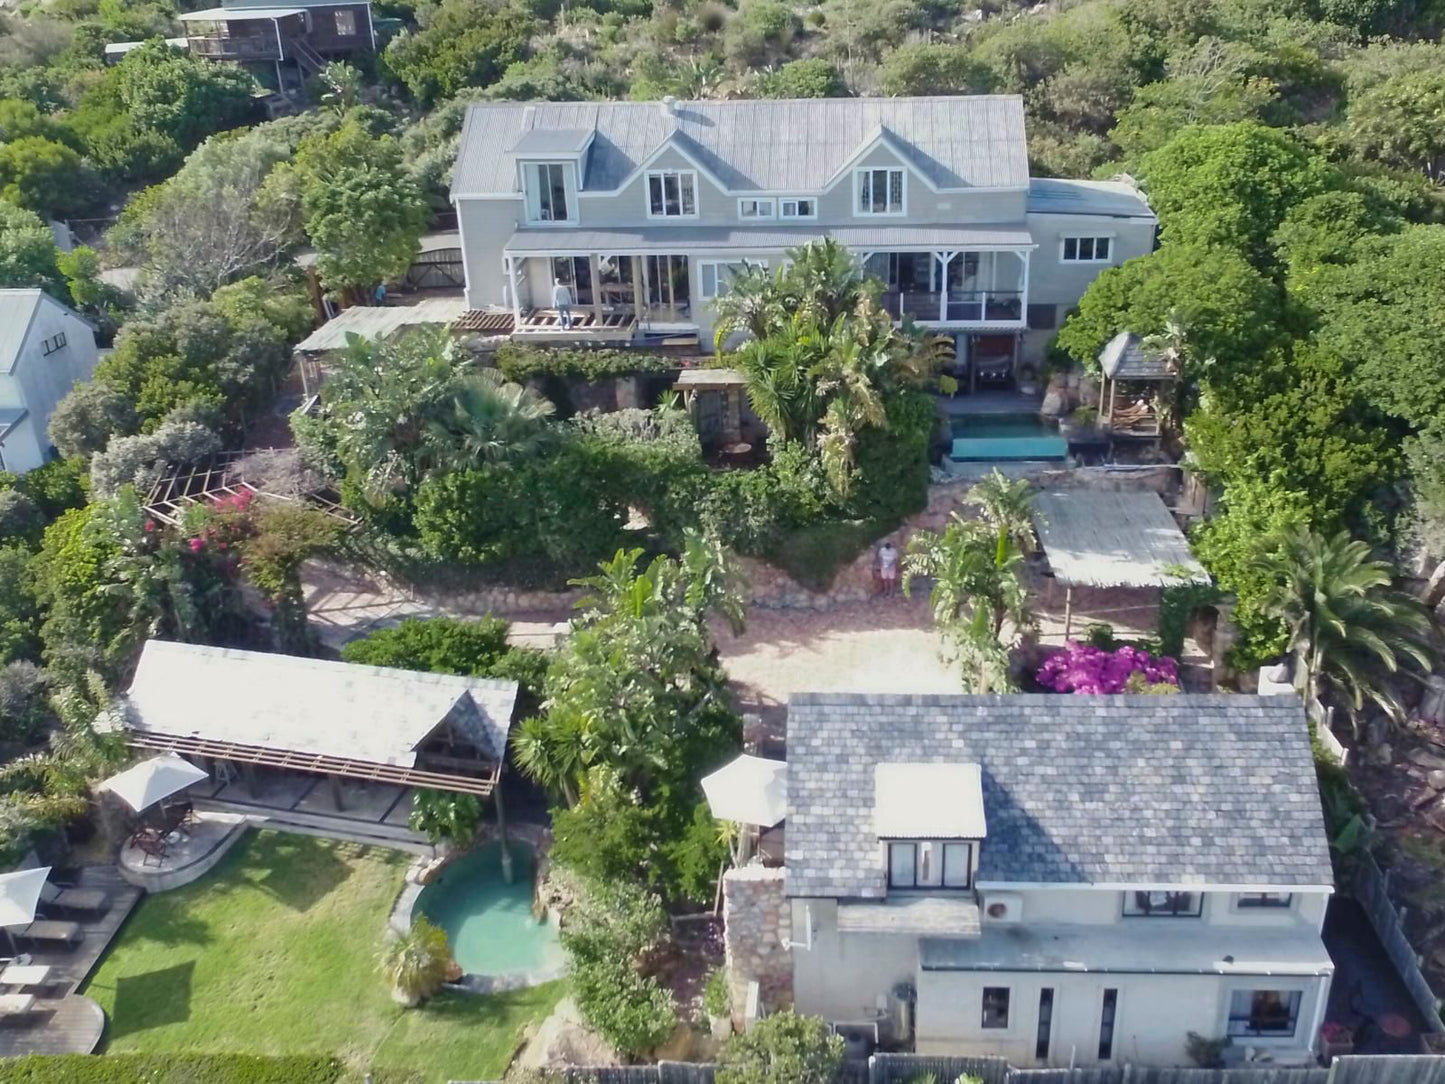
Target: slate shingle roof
[[786, 146], [1187, 789]]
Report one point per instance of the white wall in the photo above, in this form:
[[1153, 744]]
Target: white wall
[[41, 380], [842, 976]]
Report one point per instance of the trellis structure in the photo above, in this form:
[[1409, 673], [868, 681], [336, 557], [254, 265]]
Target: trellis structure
[[221, 476]]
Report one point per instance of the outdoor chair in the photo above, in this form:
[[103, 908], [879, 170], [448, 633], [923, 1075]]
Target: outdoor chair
[[151, 847], [69, 898], [16, 1005], [50, 931]]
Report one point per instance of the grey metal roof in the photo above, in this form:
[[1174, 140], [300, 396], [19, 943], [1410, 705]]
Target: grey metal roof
[[379, 321], [1186, 789], [238, 14], [536, 141], [784, 146], [1061, 196], [759, 238], [1114, 540], [17, 310]]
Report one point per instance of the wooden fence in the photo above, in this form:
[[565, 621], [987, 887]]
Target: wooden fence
[[1372, 890], [907, 1068]]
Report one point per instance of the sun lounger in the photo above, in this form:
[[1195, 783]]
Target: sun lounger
[[16, 1004], [64, 898], [63, 933]]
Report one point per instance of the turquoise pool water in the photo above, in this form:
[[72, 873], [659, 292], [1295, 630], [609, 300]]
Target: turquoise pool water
[[1003, 437], [489, 922]]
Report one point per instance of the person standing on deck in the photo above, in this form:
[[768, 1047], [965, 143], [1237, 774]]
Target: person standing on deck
[[562, 302]]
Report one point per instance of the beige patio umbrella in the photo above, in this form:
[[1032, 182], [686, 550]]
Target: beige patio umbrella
[[19, 897], [749, 791], [151, 781]]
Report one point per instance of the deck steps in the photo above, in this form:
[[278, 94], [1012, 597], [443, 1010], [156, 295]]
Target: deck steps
[[350, 829]]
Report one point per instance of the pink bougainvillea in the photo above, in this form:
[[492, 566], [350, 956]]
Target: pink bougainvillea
[[1083, 668]]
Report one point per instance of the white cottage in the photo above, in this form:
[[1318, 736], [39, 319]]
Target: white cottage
[[1061, 880], [45, 348]]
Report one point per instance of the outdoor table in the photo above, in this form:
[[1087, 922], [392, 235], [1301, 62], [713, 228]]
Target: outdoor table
[[25, 975]]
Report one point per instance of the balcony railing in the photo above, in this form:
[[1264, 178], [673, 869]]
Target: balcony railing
[[957, 306], [235, 48]]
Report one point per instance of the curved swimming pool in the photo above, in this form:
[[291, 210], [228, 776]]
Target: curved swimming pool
[[489, 922]]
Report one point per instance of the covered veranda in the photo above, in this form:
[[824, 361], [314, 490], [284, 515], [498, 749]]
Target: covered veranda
[[313, 742], [1111, 542]]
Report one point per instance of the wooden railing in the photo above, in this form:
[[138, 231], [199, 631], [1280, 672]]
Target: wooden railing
[[219, 47]]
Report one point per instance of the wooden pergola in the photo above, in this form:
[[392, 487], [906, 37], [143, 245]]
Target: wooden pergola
[[220, 476], [1125, 361]]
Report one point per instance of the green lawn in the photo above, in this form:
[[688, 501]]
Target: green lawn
[[275, 952]]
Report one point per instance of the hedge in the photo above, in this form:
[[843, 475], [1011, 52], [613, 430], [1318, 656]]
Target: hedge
[[168, 1069], [521, 363]]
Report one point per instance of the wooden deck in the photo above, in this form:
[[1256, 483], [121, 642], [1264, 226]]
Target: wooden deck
[[65, 1025], [545, 325], [64, 1022]]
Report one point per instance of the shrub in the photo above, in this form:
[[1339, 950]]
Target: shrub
[[416, 963], [23, 709], [892, 462], [804, 79], [170, 1068], [782, 1049], [717, 994], [520, 363], [452, 645], [1083, 668], [445, 816]]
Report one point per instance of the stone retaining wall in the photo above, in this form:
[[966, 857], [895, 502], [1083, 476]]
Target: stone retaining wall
[[774, 589], [757, 925]]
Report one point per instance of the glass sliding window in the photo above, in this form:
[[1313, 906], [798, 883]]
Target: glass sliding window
[[755, 208], [901, 859], [1087, 249], [1107, 1016], [547, 192], [930, 863], [956, 863], [880, 191], [1264, 1012], [801, 207], [1046, 1024], [672, 193]]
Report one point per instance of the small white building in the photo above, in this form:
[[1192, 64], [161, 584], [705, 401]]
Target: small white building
[[45, 348], [1060, 880]]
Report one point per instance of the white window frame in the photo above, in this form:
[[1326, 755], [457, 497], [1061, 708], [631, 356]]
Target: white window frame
[[795, 200], [1292, 994], [939, 854], [702, 292], [532, 176], [902, 191], [1131, 908], [1093, 239], [763, 209], [662, 175], [1007, 1022]]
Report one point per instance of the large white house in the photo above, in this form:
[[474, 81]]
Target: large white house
[[45, 347], [1062, 880], [645, 210]]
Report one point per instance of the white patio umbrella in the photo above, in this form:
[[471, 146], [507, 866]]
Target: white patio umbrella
[[750, 790], [151, 780], [20, 895]]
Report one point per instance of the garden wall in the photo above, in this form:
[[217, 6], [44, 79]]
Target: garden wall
[[758, 923], [772, 588]]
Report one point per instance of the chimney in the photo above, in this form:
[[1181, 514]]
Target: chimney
[[669, 106]]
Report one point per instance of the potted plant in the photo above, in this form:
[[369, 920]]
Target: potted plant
[[1336, 1039], [717, 1003]]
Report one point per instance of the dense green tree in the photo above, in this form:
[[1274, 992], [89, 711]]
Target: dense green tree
[[933, 68], [459, 44], [813, 78], [360, 208], [28, 256], [1382, 313], [1325, 229], [449, 645], [19, 119], [1230, 185], [44, 176], [1399, 122], [1232, 313], [1158, 111], [782, 1048], [19, 610], [85, 419]]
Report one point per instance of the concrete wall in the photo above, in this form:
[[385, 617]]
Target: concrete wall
[[1154, 1014], [842, 977], [757, 927]]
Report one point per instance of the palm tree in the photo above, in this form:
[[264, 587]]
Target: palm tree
[[751, 304], [416, 962], [1007, 506], [551, 750], [1347, 627], [486, 418]]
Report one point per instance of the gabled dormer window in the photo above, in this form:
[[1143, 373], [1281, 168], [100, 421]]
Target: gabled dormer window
[[672, 193], [547, 199], [929, 863], [879, 191]]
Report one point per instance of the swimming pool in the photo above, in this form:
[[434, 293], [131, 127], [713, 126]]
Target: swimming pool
[[490, 923], [984, 437]]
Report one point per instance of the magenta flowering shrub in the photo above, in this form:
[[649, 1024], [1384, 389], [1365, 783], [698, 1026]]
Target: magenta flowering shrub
[[1083, 668]]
